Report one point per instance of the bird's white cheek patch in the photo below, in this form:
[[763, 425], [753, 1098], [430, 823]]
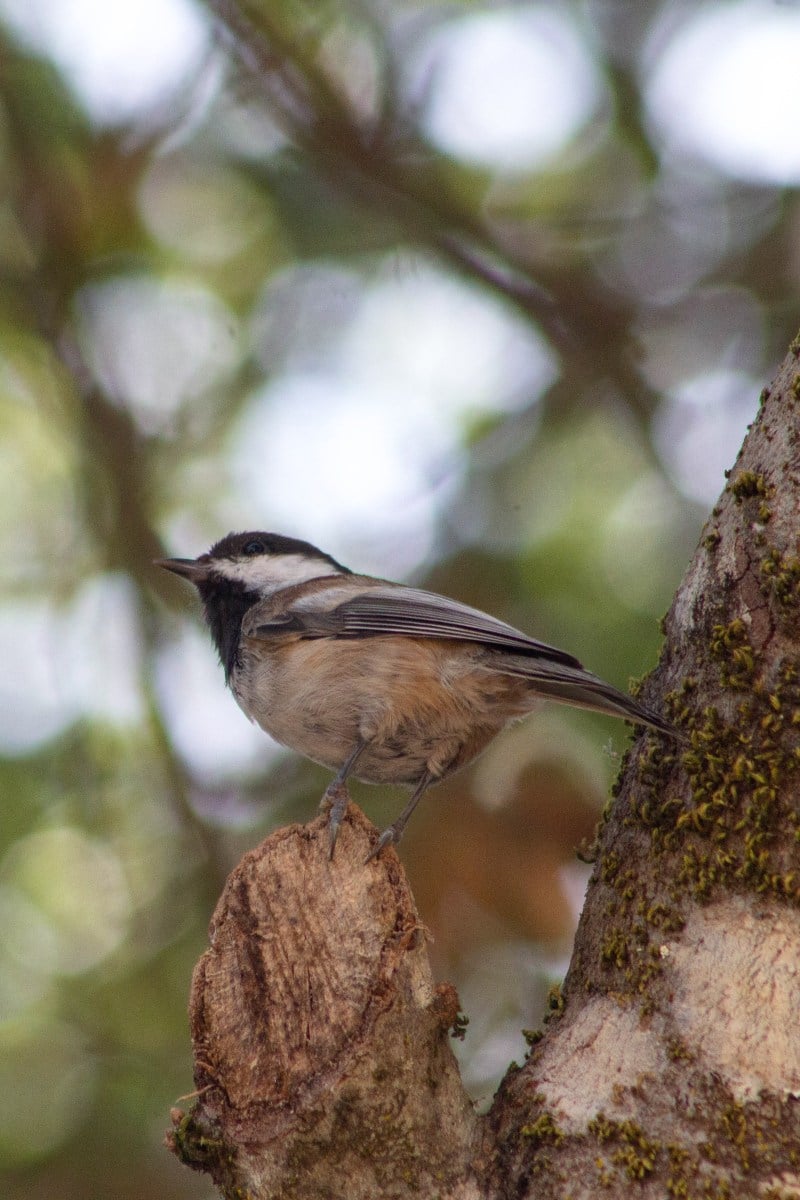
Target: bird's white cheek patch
[[270, 573]]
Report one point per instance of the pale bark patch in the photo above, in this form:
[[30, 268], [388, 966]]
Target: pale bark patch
[[736, 972], [600, 1054]]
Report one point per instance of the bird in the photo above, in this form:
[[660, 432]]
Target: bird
[[375, 680]]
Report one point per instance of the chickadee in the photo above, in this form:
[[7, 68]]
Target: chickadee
[[387, 683]]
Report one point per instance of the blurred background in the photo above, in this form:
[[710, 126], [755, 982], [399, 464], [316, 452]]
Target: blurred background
[[475, 295]]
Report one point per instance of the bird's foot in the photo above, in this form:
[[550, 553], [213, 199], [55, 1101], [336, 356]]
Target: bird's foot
[[336, 800], [390, 837]]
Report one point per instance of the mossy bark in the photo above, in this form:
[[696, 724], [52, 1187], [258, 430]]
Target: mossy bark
[[672, 1064]]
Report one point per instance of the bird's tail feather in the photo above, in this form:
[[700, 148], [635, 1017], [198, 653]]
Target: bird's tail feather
[[552, 681]]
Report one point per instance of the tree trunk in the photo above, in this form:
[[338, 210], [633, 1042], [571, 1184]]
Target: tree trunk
[[672, 1067]]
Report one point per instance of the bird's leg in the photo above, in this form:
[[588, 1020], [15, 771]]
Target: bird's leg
[[392, 834], [337, 795]]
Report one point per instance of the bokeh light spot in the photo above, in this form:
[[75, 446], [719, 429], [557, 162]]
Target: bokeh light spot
[[122, 58], [727, 88], [510, 87], [78, 884]]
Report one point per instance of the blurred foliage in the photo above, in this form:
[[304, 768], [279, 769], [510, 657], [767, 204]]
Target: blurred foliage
[[162, 282]]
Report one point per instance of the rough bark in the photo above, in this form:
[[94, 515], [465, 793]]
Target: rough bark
[[322, 1057], [672, 1065], [675, 1062]]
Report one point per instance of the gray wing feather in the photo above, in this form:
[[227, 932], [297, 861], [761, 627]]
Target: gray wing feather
[[414, 613], [388, 610]]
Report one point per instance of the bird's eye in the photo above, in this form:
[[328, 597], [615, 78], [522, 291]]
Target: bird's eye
[[254, 546]]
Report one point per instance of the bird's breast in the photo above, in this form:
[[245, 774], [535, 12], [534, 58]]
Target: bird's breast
[[419, 705]]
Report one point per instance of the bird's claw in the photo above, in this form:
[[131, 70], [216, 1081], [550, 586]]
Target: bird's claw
[[336, 800], [389, 837]]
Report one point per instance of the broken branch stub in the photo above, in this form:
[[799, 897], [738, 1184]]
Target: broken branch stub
[[322, 1061]]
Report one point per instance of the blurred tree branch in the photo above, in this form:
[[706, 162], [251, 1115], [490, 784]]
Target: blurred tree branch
[[73, 198], [381, 162], [320, 1043]]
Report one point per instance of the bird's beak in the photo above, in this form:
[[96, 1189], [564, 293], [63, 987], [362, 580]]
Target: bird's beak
[[189, 568]]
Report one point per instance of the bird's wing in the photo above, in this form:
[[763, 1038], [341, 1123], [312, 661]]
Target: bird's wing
[[386, 610], [402, 611]]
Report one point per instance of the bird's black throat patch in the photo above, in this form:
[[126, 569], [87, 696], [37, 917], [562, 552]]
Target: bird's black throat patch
[[225, 603]]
